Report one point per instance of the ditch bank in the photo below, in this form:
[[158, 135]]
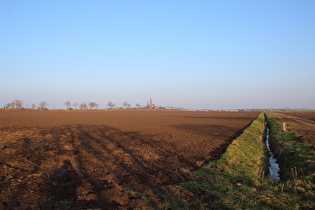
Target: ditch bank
[[296, 158], [234, 180]]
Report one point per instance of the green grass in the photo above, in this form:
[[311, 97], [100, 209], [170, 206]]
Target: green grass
[[238, 180], [296, 158]]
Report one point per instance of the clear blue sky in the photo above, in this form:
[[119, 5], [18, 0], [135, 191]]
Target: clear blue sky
[[191, 54]]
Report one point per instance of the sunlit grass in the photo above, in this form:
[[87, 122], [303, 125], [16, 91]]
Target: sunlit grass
[[297, 159]]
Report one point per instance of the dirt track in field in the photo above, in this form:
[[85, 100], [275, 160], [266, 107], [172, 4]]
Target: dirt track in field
[[90, 159], [300, 122], [302, 114]]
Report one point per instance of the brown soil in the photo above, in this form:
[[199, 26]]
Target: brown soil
[[105, 159], [300, 122], [304, 115]]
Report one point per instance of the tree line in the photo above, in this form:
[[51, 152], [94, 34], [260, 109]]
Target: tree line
[[18, 104], [43, 105]]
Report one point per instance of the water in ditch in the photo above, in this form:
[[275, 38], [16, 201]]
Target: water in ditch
[[274, 169]]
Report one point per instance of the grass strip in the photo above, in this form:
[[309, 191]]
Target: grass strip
[[296, 158], [238, 180]]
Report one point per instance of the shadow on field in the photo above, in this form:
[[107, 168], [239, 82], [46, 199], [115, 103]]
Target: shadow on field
[[94, 166], [100, 163], [85, 166], [64, 182], [126, 152]]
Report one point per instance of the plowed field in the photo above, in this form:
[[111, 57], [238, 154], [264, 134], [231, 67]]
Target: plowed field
[[304, 115], [300, 122], [91, 159]]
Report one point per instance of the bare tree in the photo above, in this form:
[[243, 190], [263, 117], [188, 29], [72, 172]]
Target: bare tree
[[68, 104], [111, 105], [12, 104], [9, 105], [33, 106], [75, 104], [126, 104], [138, 105], [18, 104], [96, 105], [42, 105], [92, 105], [83, 105]]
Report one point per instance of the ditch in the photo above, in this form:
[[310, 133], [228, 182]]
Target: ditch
[[274, 169]]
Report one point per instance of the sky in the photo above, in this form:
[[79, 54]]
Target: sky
[[192, 54]]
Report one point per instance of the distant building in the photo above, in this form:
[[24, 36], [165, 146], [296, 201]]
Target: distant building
[[150, 104]]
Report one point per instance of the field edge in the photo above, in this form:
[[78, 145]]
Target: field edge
[[234, 174], [238, 180]]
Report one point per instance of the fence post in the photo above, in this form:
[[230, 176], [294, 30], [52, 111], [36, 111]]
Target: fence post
[[284, 126]]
